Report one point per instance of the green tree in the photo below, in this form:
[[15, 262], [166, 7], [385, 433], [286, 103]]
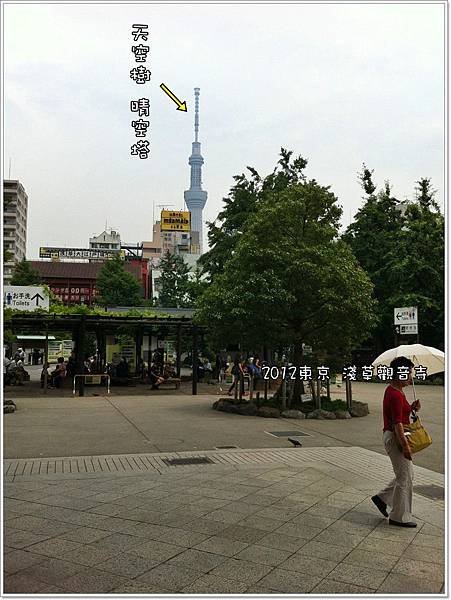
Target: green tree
[[174, 282], [416, 267], [374, 236], [24, 274], [291, 280], [401, 247], [241, 204], [116, 286]]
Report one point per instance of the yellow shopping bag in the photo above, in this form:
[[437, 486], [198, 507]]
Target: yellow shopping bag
[[417, 436]]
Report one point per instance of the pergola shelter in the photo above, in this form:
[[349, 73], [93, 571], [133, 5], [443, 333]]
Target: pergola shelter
[[103, 325]]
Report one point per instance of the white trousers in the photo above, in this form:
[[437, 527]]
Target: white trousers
[[398, 493]]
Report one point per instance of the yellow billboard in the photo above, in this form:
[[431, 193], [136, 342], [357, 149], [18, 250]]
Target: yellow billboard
[[175, 220]]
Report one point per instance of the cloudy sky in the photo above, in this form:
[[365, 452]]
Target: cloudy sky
[[340, 84]]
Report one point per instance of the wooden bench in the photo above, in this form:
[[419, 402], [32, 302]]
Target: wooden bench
[[172, 381]]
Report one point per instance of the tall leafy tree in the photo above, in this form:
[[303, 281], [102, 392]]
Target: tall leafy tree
[[373, 237], [417, 264], [174, 282], [240, 205], [118, 287], [24, 274], [290, 279]]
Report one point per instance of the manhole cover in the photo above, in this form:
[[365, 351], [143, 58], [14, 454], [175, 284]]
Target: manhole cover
[[434, 492], [195, 460], [226, 447], [286, 433]]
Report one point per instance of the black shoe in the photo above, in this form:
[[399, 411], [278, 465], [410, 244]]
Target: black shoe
[[398, 524], [382, 507]]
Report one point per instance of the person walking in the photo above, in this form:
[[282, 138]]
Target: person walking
[[237, 373], [396, 411]]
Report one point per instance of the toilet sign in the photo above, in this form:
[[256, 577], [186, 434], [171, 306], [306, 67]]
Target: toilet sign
[[407, 315], [25, 297]]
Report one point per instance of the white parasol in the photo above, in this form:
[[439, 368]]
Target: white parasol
[[425, 356]]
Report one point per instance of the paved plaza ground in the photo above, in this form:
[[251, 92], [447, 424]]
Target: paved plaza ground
[[92, 505]]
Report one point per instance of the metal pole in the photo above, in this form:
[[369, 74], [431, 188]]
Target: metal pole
[[46, 358], [194, 331], [178, 350]]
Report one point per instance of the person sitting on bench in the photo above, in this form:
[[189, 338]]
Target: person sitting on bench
[[59, 373]]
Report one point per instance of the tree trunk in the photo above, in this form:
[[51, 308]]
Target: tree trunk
[[298, 388]]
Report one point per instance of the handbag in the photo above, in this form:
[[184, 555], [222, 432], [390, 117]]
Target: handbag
[[416, 434]]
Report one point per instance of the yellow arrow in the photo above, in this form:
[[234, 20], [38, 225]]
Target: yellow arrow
[[180, 105]]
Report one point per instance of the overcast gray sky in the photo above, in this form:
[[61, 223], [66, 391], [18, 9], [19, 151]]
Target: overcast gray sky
[[340, 84]]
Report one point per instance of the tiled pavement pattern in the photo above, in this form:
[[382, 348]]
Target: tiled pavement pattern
[[269, 521]]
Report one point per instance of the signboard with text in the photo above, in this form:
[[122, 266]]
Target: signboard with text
[[407, 315], [25, 297], [78, 253], [175, 220]]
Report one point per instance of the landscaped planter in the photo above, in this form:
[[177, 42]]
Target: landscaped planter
[[229, 405]]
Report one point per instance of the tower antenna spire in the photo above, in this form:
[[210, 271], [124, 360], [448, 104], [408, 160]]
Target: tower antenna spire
[[196, 114]]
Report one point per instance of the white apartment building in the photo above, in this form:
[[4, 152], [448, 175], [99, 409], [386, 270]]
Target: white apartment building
[[15, 212]]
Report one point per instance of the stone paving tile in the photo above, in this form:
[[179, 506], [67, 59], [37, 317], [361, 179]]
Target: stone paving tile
[[242, 508], [225, 516], [20, 559], [128, 565], [241, 533], [358, 575], [242, 570], [117, 525], [320, 509], [262, 523], [205, 525], [117, 541], [418, 553], [197, 560], [52, 570], [89, 556], [369, 559], [395, 534], [395, 583], [264, 555], [338, 538], [261, 590], [305, 564], [259, 499], [21, 583], [282, 541], [158, 552], [362, 518], [342, 526], [372, 544], [330, 586], [143, 515], [313, 521], [53, 589], [108, 509], [279, 513], [428, 541], [136, 587], [38, 525], [289, 582], [299, 530], [210, 584], [220, 545], [69, 502], [173, 577], [419, 569], [85, 535], [55, 547], [324, 550], [429, 529], [92, 581]]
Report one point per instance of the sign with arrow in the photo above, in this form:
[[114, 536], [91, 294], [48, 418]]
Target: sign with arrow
[[25, 297], [407, 315], [180, 105]]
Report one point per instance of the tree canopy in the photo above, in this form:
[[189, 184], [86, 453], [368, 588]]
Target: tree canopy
[[289, 279], [401, 247], [24, 274], [173, 282], [116, 286]]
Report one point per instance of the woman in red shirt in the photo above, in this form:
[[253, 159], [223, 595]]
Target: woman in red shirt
[[398, 493]]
